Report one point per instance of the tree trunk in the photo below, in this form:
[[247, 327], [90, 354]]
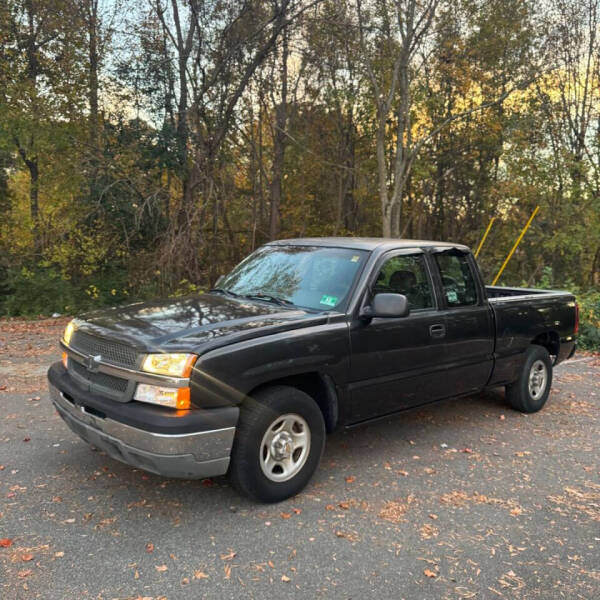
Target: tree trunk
[[279, 145], [34, 186], [386, 216], [92, 22]]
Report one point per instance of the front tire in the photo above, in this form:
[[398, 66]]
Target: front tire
[[529, 393], [278, 444]]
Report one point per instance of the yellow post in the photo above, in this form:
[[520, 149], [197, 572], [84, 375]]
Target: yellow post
[[484, 236], [512, 251]]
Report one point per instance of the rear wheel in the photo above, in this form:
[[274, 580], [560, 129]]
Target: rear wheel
[[279, 441], [529, 393]]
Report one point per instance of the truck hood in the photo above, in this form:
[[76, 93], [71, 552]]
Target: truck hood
[[195, 323]]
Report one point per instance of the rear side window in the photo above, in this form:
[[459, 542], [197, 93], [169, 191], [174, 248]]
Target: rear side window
[[457, 279], [406, 275]]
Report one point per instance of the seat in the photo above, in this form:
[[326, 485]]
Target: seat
[[403, 282]]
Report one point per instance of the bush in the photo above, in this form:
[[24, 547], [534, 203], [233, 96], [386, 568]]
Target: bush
[[589, 320], [44, 290], [589, 309]]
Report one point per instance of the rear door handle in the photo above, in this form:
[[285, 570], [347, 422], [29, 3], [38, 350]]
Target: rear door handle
[[437, 331]]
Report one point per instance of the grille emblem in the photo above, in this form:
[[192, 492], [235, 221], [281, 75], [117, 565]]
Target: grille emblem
[[92, 363]]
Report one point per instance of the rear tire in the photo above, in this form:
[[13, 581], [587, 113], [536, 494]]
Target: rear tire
[[278, 444], [529, 393]]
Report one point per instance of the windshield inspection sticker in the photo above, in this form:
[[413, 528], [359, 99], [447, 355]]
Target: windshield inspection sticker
[[452, 296], [355, 258], [328, 300]]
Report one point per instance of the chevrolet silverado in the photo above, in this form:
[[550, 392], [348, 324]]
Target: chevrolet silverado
[[302, 337]]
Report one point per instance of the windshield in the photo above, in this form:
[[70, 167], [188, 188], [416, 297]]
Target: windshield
[[308, 276]]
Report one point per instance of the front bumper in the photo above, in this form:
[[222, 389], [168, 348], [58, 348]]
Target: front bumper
[[189, 455]]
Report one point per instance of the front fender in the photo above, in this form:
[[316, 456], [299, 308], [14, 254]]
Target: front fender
[[225, 376]]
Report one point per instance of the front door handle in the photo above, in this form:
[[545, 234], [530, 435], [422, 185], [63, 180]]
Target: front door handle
[[437, 331]]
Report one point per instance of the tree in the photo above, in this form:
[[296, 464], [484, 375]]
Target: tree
[[396, 46], [39, 80]]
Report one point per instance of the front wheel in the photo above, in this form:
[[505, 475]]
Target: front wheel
[[529, 393], [278, 444]]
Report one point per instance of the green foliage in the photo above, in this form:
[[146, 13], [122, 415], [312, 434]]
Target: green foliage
[[589, 320], [589, 309], [158, 194], [44, 290]]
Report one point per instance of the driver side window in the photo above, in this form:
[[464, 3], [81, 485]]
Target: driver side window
[[406, 274]]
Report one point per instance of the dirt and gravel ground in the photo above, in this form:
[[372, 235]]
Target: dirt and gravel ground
[[463, 499]]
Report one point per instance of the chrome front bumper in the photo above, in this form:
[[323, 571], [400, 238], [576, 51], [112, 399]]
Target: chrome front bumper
[[187, 455]]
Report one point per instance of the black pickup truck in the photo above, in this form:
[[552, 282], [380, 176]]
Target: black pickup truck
[[300, 338]]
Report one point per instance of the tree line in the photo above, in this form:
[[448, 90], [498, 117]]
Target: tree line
[[148, 145]]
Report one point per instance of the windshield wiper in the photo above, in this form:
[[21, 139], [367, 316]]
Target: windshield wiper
[[269, 298], [223, 291]]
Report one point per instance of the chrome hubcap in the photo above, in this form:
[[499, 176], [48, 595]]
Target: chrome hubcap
[[284, 447], [538, 377]]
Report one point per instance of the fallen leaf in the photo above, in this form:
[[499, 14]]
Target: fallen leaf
[[428, 531], [350, 479], [200, 575], [297, 510], [285, 515], [5, 542], [467, 450], [464, 592], [59, 554], [208, 482], [185, 580], [149, 547], [227, 571], [229, 556], [344, 505], [348, 535], [27, 557], [27, 439], [161, 568], [25, 573], [285, 578], [430, 573]]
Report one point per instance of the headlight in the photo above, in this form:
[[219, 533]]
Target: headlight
[[172, 397], [175, 365], [69, 332]]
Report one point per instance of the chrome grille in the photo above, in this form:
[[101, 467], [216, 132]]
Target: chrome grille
[[112, 352], [116, 384]]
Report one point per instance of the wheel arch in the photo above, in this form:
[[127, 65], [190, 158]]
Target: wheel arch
[[319, 386], [549, 340]]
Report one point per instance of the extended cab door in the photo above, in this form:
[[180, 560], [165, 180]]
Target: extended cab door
[[469, 341], [397, 363]]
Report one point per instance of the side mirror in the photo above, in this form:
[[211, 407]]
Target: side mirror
[[387, 306]]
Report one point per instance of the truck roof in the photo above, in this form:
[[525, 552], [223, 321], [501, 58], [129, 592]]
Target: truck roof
[[365, 243]]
